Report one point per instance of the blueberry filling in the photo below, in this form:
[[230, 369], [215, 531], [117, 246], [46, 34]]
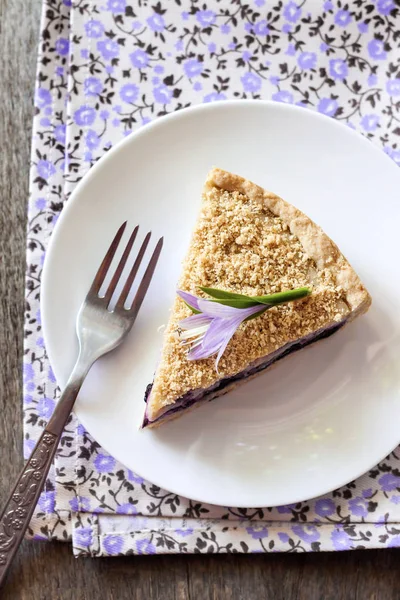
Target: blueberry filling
[[201, 395]]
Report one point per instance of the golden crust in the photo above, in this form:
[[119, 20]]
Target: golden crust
[[249, 240]]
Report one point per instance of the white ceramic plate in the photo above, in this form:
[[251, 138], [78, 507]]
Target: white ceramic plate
[[322, 416]]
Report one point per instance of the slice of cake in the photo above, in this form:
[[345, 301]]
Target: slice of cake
[[252, 243]]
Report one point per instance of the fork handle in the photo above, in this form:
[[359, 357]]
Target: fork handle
[[21, 503]]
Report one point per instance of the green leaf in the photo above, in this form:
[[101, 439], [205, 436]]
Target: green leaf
[[221, 294], [281, 297], [242, 303]]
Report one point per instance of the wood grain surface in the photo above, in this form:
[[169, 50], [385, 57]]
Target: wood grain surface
[[49, 571]]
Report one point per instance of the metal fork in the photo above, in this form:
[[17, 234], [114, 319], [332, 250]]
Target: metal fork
[[99, 331]]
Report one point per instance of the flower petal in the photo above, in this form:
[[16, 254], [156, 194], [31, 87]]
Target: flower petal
[[218, 332], [220, 311], [189, 299], [194, 321]]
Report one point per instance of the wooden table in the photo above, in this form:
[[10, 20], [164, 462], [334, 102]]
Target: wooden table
[[49, 571]]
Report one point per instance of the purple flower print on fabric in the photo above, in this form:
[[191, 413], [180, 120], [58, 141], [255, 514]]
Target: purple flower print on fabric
[[162, 94], [251, 82], [145, 547], [84, 536], [104, 463], [193, 67], [139, 59], [45, 407], [307, 533], [85, 115], [376, 49], [206, 18], [393, 87], [94, 29], [80, 504], [47, 501], [292, 12], [338, 69], [389, 482], [116, 6], [325, 507], [328, 106], [109, 49], [307, 60], [257, 533], [129, 92], [340, 540], [342, 18], [113, 544], [156, 22]]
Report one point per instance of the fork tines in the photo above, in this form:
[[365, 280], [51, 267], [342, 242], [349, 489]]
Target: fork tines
[[105, 265]]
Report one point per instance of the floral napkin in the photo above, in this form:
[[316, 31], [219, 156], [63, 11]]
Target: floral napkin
[[108, 67]]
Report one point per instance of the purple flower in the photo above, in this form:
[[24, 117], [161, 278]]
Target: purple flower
[[367, 493], [286, 28], [206, 17], [246, 56], [328, 5], [395, 499], [129, 92], [210, 331], [394, 542], [192, 67], [251, 82], [325, 507], [340, 540], [214, 97], [51, 375], [145, 547], [127, 509], [108, 48], [60, 133], [358, 506], [116, 6], [393, 87], [40, 205], [225, 28], [372, 80], [257, 532], [62, 46], [376, 50], [42, 97], [385, 7], [363, 27], [323, 47], [283, 537], [261, 27], [28, 368], [85, 115], [79, 503], [327, 106], [184, 532], [248, 27], [338, 68], [159, 69], [104, 114], [45, 407], [283, 96], [197, 86], [291, 50], [307, 533], [28, 448], [139, 59], [113, 544], [389, 482], [94, 29], [92, 139], [84, 536], [92, 86], [185, 16], [156, 22], [104, 463], [47, 501], [292, 12], [274, 80], [45, 168], [342, 18], [307, 60], [133, 477], [370, 122], [162, 94]]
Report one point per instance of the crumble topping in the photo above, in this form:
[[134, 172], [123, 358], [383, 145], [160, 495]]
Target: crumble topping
[[239, 245]]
